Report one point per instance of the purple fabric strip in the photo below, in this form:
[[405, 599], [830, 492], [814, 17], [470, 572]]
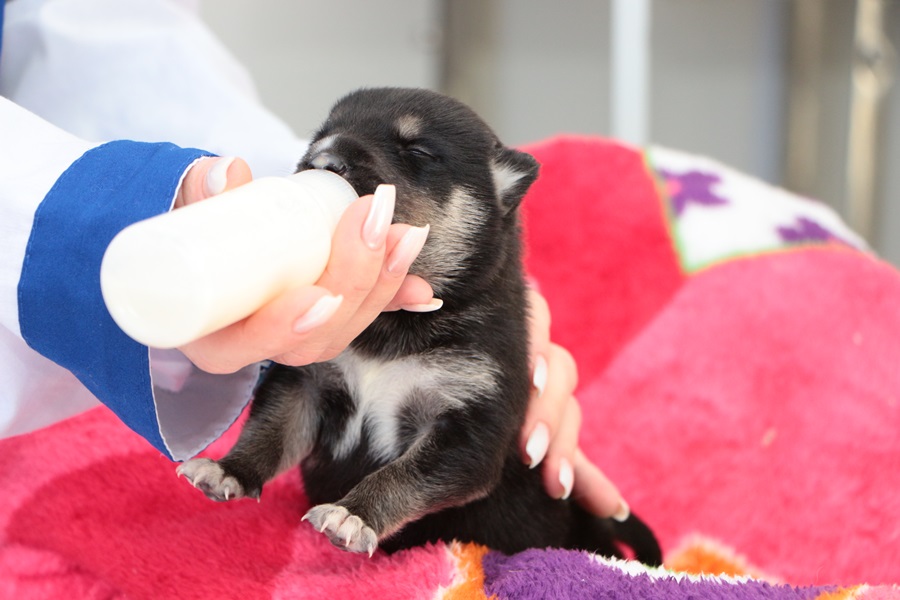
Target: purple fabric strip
[[564, 574]]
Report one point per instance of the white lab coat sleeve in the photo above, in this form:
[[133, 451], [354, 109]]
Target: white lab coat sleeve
[[61, 202], [111, 70]]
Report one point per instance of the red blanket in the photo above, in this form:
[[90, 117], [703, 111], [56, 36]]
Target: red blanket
[[739, 370], [751, 395]]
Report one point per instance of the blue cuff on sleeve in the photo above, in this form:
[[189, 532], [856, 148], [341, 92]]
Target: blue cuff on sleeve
[[61, 311]]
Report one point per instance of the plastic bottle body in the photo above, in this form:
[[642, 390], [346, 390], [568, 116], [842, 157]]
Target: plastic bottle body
[[176, 277]]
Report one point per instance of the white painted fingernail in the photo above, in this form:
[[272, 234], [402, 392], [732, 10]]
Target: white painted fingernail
[[566, 477], [539, 377], [537, 445], [318, 313], [379, 218], [217, 176], [407, 249], [435, 304], [623, 513]]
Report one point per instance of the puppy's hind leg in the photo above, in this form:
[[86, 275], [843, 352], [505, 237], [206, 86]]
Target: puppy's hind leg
[[278, 434]]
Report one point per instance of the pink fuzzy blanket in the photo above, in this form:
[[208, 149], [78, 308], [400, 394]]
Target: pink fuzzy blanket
[[739, 354]]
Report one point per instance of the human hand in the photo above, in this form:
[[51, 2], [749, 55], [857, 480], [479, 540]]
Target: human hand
[[550, 433], [366, 274]]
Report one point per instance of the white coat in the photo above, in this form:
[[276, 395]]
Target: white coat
[[78, 79]]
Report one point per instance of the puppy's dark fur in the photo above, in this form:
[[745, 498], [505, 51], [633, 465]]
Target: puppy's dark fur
[[410, 435]]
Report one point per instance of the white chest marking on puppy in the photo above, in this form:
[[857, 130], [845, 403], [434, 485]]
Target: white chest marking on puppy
[[381, 388]]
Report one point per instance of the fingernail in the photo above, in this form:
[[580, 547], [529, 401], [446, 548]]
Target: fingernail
[[318, 314], [539, 377], [566, 477], [623, 513], [537, 445], [435, 304], [379, 218], [407, 249], [217, 176]]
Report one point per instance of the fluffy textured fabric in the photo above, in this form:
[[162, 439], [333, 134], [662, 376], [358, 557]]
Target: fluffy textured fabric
[[738, 351], [739, 357]]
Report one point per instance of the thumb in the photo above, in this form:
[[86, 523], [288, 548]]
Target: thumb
[[210, 176]]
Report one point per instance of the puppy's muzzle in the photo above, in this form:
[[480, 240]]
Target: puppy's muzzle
[[327, 161]]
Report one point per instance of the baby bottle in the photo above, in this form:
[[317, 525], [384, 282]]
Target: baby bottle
[[176, 277]]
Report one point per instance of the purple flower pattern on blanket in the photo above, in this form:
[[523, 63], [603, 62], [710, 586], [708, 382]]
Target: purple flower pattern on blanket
[[717, 213], [806, 230], [691, 186]]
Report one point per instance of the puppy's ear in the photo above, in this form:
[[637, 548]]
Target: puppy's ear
[[513, 173]]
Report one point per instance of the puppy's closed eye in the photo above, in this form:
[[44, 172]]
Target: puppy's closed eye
[[420, 152]]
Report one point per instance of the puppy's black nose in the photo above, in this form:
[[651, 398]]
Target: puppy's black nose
[[329, 162]]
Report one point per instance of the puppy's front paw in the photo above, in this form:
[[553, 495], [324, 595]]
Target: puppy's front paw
[[343, 529], [209, 477]]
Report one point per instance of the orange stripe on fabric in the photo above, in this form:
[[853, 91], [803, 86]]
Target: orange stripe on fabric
[[840, 594], [704, 556], [471, 574]]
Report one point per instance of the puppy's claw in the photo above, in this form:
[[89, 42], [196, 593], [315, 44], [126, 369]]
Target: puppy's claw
[[344, 530], [210, 478]]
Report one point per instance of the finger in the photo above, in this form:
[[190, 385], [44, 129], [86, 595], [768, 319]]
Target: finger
[[559, 475], [595, 492], [356, 262], [414, 293], [535, 432], [546, 408], [210, 176], [278, 329], [357, 257], [538, 324], [403, 245]]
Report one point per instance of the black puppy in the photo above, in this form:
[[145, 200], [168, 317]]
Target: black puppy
[[409, 435]]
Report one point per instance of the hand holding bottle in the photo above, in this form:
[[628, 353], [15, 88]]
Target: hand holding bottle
[[365, 275]]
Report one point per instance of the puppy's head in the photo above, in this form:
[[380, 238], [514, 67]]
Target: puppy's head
[[450, 170]]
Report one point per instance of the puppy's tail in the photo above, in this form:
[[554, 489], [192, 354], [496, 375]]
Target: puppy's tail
[[635, 534], [605, 536]]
